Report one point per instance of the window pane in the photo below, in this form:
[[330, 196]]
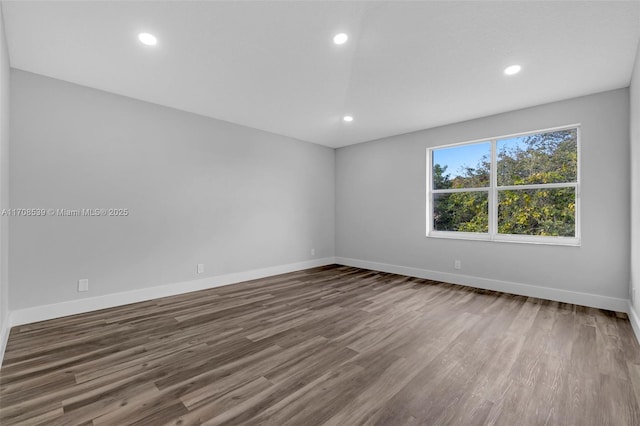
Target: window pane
[[550, 157], [461, 211], [465, 166], [549, 211]]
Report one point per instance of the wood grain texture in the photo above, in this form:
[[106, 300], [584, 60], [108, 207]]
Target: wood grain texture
[[333, 345]]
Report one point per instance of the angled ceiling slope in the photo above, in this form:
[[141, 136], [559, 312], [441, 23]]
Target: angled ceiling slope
[[274, 66]]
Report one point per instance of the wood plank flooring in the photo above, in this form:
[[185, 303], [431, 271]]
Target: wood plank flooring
[[334, 346]]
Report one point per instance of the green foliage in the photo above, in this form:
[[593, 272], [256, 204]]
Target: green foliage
[[462, 211], [477, 177], [536, 159], [549, 211], [440, 180], [540, 158]]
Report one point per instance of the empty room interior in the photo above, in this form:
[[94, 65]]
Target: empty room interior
[[320, 213]]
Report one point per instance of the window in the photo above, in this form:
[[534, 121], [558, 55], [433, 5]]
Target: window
[[520, 188]]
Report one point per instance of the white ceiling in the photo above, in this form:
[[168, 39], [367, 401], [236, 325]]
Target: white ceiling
[[273, 65]]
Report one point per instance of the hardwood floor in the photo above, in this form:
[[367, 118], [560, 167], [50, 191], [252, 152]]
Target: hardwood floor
[[333, 345]]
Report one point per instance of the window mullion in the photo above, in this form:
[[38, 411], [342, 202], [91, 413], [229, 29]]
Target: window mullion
[[493, 193], [429, 195], [454, 190], [538, 186]]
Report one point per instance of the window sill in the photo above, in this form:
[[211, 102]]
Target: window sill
[[501, 238]]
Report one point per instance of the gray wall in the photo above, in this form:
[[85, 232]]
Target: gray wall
[[635, 181], [199, 191], [380, 202], [4, 174]]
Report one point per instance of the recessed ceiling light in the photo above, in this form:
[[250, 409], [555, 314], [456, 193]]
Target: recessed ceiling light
[[513, 69], [148, 39], [347, 118], [340, 38]]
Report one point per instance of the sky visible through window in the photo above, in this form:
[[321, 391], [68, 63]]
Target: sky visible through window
[[458, 158]]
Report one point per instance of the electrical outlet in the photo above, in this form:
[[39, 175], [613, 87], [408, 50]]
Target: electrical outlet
[[83, 285], [200, 268], [457, 264], [313, 252]]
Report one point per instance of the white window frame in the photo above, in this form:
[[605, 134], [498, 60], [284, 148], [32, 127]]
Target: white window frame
[[493, 190]]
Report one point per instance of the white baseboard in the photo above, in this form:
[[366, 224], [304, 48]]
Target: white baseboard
[[578, 298], [72, 307], [634, 320], [5, 328]]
